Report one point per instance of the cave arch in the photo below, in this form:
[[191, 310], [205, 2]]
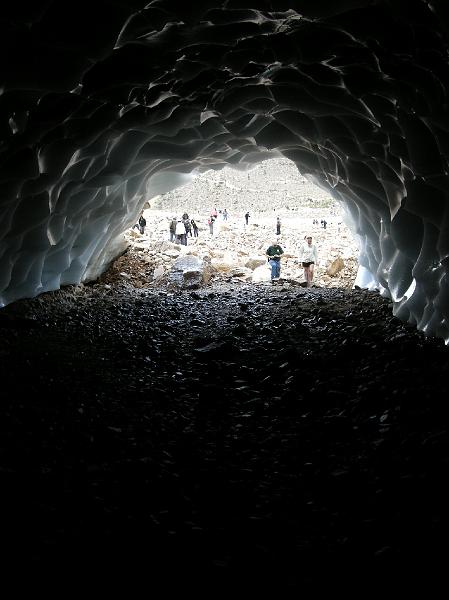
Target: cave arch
[[96, 111]]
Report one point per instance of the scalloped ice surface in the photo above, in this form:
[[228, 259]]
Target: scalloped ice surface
[[105, 105]]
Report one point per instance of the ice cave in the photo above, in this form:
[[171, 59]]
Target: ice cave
[[287, 439], [102, 101]]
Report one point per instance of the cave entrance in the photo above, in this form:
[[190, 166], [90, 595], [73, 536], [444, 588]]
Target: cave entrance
[[273, 189]]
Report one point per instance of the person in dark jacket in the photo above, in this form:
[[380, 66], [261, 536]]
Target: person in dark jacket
[[142, 224], [278, 226], [172, 229], [188, 226], [194, 227]]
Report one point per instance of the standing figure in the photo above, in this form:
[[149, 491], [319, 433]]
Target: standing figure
[[308, 256], [274, 253], [214, 213], [194, 227], [278, 226], [187, 225], [225, 215], [247, 216], [210, 222], [181, 236], [142, 224], [172, 229]]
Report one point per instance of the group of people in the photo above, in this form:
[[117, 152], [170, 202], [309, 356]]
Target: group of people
[[307, 255], [323, 223], [180, 235], [184, 227], [214, 216], [181, 228]]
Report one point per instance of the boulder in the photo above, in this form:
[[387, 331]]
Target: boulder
[[255, 261], [335, 267], [173, 253], [187, 272], [224, 263], [241, 272], [158, 272], [262, 273]]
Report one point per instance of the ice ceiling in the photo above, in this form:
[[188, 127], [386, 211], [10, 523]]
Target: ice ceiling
[[102, 100]]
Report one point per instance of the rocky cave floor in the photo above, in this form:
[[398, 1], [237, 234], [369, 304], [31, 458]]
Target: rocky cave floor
[[259, 436]]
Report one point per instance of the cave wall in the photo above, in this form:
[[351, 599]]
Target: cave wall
[[101, 101]]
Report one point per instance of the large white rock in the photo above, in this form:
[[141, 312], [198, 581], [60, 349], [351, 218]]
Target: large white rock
[[262, 273], [187, 272]]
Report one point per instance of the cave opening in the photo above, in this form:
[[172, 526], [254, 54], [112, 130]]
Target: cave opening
[[281, 205]]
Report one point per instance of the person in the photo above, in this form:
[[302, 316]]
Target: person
[[210, 222], [181, 236], [278, 226], [172, 229], [195, 227], [247, 216], [214, 213], [308, 256], [142, 224], [187, 225], [225, 215], [274, 253], [323, 223]]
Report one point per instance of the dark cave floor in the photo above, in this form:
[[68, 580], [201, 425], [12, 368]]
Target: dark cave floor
[[237, 437]]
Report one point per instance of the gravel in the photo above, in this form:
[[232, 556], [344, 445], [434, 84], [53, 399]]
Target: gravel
[[238, 436]]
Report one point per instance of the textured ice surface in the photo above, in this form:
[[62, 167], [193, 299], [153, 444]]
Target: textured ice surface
[[104, 105]]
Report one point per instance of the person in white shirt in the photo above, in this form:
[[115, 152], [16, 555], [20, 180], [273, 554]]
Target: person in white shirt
[[180, 232], [308, 256]]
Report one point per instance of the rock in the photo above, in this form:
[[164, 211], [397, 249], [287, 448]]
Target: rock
[[174, 253], [225, 262], [335, 267], [255, 261], [187, 272], [158, 272], [262, 273], [241, 272]]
